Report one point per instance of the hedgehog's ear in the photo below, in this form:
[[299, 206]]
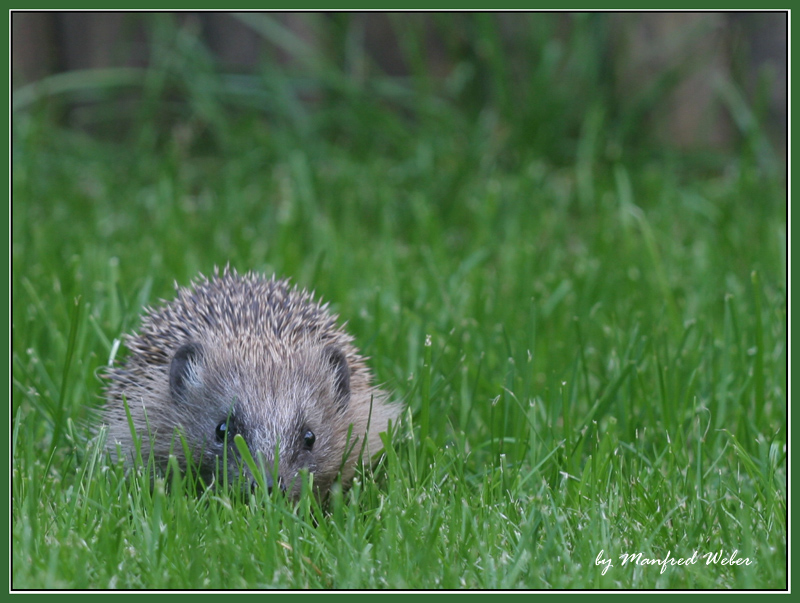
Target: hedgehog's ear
[[341, 372], [184, 370]]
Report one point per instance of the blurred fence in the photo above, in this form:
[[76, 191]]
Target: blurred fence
[[707, 52]]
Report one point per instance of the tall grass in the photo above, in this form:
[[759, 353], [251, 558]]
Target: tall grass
[[589, 335]]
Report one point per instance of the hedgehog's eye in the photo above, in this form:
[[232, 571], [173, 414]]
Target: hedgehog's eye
[[308, 439], [223, 429]]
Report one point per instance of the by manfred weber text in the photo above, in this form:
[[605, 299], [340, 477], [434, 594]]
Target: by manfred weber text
[[713, 558]]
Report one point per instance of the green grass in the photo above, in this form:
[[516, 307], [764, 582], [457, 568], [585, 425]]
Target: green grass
[[589, 332]]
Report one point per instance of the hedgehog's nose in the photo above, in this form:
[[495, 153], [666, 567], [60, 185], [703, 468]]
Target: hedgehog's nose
[[281, 485], [269, 483]]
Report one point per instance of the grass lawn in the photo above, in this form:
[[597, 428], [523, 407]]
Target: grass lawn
[[589, 332]]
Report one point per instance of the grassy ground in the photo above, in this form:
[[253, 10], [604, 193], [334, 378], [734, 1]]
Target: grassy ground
[[589, 334]]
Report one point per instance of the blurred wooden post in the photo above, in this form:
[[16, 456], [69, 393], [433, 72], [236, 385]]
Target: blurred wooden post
[[33, 53], [693, 46]]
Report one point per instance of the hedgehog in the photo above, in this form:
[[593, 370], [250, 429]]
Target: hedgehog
[[242, 354]]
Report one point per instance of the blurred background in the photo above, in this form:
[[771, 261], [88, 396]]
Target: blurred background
[[692, 81]]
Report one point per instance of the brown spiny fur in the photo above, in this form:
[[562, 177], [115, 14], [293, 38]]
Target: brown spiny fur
[[260, 358]]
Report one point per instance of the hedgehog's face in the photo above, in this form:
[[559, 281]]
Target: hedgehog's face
[[292, 412]]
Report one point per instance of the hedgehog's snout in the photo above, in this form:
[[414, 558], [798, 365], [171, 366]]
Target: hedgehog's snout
[[249, 482], [265, 470], [269, 483]]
